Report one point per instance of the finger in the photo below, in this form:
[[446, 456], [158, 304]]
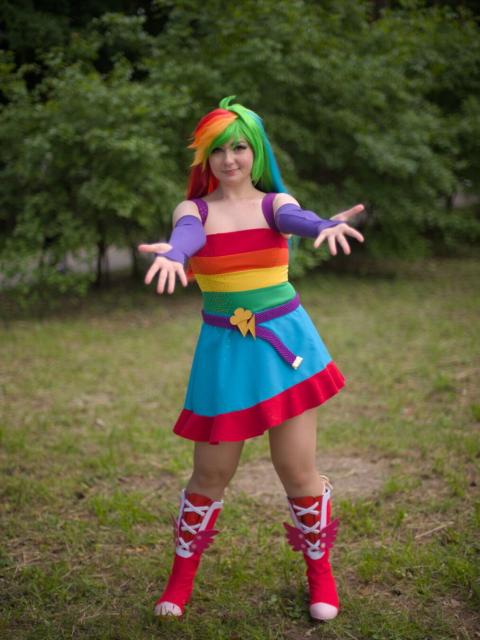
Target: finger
[[161, 280], [349, 213], [152, 271], [344, 244], [182, 276], [171, 281], [332, 246], [320, 238], [354, 233], [358, 208], [156, 247], [146, 248]]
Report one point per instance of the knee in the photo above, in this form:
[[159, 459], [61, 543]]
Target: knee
[[295, 475], [212, 476]]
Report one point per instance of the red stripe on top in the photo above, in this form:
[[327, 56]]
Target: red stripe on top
[[231, 242]]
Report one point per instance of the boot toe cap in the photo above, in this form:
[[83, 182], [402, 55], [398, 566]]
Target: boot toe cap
[[167, 609], [323, 611]]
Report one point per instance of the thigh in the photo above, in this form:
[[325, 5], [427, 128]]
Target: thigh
[[293, 443], [223, 457]]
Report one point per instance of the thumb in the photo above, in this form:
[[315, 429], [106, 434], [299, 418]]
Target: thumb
[[156, 247], [349, 213]]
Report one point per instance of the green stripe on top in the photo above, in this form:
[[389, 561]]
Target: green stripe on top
[[255, 299]]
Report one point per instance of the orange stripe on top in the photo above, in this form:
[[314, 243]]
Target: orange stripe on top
[[238, 262], [232, 242]]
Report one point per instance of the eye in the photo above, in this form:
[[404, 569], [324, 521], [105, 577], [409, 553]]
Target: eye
[[241, 146], [216, 150]]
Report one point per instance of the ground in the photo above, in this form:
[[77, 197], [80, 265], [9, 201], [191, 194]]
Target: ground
[[91, 472]]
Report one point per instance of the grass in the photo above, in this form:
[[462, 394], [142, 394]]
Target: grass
[[90, 470]]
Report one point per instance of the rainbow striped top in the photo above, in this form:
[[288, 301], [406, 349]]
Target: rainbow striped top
[[247, 268]]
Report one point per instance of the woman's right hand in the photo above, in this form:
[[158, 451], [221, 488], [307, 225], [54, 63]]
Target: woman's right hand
[[167, 269]]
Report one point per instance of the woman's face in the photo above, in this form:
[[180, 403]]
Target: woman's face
[[232, 162]]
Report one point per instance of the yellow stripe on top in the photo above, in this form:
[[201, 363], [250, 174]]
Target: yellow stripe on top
[[243, 280]]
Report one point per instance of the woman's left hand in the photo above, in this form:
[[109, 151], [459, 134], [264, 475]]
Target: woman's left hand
[[338, 233]]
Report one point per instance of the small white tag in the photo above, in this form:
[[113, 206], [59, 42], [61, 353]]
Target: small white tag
[[297, 362]]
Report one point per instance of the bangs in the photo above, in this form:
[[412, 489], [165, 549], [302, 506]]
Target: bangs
[[235, 131], [240, 130]]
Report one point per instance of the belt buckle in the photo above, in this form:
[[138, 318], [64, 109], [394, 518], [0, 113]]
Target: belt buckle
[[244, 320]]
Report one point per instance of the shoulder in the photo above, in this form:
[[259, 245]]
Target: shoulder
[[281, 199], [185, 208]]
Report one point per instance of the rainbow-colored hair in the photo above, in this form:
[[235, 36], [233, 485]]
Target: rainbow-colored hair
[[232, 122]]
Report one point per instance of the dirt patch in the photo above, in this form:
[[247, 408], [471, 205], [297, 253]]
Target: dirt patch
[[351, 478], [155, 485]]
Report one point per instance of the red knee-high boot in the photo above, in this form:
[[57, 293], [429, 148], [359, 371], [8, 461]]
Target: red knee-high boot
[[193, 534], [314, 534]]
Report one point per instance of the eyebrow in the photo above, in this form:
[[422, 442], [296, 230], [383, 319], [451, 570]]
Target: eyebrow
[[232, 144]]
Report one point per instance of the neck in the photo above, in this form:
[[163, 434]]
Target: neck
[[242, 191]]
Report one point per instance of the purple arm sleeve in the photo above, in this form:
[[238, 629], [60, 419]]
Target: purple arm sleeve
[[188, 237], [291, 219]]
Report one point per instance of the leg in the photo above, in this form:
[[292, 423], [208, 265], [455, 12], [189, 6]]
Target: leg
[[214, 466], [292, 447]]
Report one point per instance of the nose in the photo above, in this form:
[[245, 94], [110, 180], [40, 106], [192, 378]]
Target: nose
[[229, 157]]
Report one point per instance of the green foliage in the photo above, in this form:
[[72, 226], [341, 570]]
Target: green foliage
[[93, 130], [86, 160]]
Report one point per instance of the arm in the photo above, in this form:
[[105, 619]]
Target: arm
[[188, 237], [290, 218]]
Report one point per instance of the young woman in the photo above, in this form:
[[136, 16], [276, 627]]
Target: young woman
[[259, 364]]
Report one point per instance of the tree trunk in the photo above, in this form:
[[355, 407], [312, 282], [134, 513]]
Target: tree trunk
[[135, 262], [378, 6], [102, 271]]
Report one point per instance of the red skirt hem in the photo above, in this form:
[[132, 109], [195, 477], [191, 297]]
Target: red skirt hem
[[253, 421]]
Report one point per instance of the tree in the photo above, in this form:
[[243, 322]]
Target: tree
[[86, 158], [381, 109]]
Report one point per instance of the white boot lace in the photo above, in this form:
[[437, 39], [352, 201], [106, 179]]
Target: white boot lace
[[190, 528], [315, 528], [328, 484]]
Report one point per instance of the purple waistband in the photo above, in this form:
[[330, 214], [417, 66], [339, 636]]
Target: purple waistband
[[249, 321]]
